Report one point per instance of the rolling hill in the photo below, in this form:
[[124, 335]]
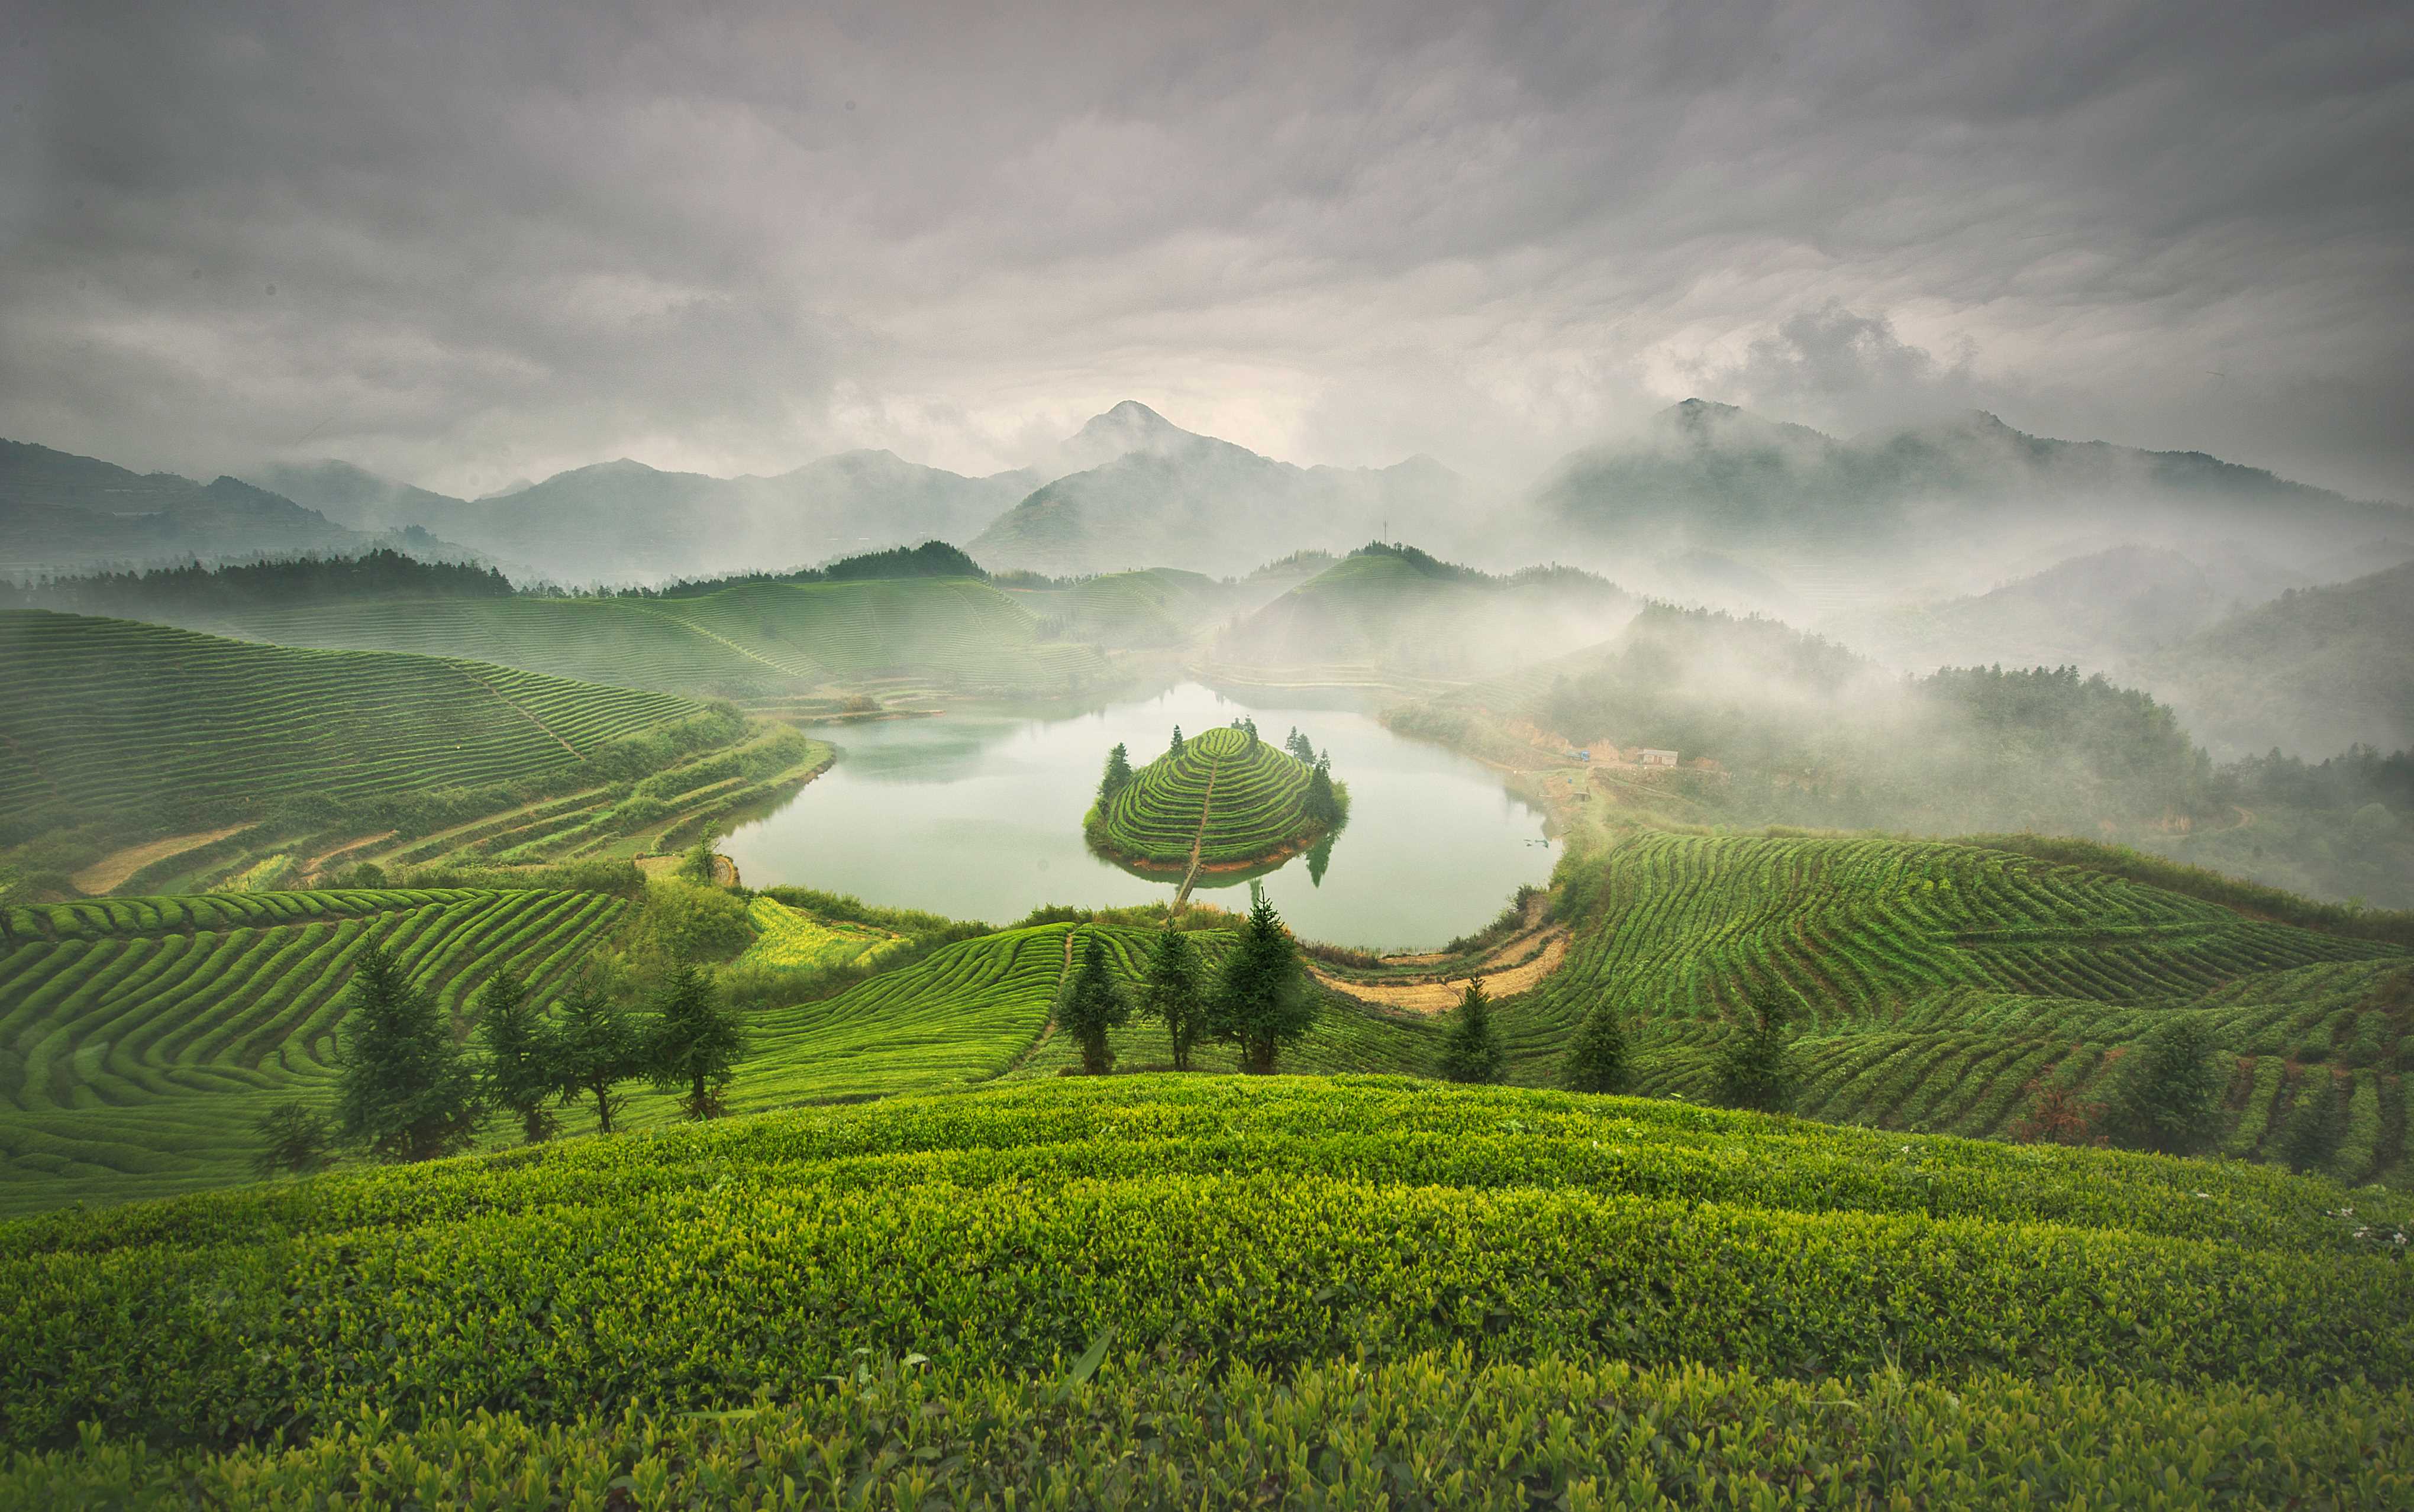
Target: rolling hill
[[1399, 609], [756, 642], [2310, 673], [118, 737]]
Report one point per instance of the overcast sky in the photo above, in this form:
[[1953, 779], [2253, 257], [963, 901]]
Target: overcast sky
[[461, 244]]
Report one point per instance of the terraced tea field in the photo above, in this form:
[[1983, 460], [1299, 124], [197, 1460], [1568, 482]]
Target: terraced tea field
[[1228, 1290], [140, 758], [1938, 985], [98, 715], [1226, 798], [140, 1038], [760, 642]]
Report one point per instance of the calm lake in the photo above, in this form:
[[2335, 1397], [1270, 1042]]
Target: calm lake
[[979, 817]]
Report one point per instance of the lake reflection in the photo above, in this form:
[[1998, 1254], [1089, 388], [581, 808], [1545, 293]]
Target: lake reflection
[[979, 816]]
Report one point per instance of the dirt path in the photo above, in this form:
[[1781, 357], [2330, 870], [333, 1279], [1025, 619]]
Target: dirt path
[[1442, 996], [1206, 807], [109, 872], [526, 714]]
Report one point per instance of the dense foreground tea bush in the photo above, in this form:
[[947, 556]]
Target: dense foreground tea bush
[[1432, 1430], [1224, 1222]]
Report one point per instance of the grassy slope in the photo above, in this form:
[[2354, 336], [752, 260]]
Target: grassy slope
[[101, 712], [1938, 984], [1224, 1228], [1254, 808], [141, 1038], [754, 641], [113, 734]]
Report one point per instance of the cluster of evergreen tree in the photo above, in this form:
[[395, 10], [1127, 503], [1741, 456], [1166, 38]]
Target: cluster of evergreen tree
[[1257, 1003], [284, 583], [408, 1090]]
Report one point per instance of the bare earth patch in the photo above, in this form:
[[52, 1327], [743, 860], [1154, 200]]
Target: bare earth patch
[[111, 871], [1441, 996]]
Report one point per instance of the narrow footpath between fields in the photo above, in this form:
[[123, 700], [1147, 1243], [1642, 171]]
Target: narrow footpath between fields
[[1197, 842]]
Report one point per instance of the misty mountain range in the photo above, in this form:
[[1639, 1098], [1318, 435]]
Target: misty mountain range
[[1705, 503]]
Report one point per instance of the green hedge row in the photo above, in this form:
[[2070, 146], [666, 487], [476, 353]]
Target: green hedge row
[[589, 1278], [1434, 1431]]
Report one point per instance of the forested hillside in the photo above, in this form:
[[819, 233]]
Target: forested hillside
[[2309, 674]]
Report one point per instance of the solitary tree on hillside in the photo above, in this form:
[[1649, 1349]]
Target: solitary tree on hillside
[[2166, 1091], [1261, 1004], [1597, 1060], [695, 1042], [596, 1051], [1118, 773], [1472, 1052], [1171, 992], [293, 1140], [699, 865], [521, 1070], [1095, 1005], [1755, 1064], [405, 1093], [1176, 749]]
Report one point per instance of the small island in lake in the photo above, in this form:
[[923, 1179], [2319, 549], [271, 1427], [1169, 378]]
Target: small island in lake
[[1225, 800]]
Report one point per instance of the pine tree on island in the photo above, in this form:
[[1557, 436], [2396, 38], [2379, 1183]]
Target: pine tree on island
[[1262, 1003], [1176, 749], [1597, 1060], [1095, 1005], [1118, 773], [1170, 993], [1473, 1053]]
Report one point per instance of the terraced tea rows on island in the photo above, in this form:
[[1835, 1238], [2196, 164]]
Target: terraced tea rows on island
[[1235, 797], [1939, 987], [140, 1038], [101, 714], [1236, 1225]]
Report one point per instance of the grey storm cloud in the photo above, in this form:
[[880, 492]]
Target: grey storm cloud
[[460, 243]]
